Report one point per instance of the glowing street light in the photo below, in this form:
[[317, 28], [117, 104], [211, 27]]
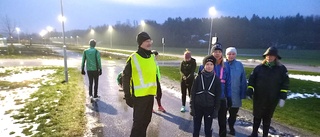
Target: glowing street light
[[143, 23], [49, 29], [212, 12], [42, 34], [110, 29], [18, 31], [92, 31], [77, 40]]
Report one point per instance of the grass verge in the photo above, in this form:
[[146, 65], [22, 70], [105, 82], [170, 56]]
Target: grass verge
[[57, 107]]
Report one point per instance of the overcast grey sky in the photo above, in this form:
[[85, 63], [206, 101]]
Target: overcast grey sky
[[31, 16]]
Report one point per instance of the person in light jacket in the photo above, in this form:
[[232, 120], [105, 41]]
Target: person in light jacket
[[238, 86]]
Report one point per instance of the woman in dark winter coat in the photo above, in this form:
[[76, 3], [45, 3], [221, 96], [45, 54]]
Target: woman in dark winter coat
[[187, 69], [205, 97], [268, 83]]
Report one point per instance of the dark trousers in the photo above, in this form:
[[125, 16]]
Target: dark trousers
[[232, 117], [207, 113], [93, 77], [142, 112], [222, 118], [185, 84], [159, 94], [266, 126]]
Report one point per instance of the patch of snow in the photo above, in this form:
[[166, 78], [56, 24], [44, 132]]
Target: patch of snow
[[304, 95], [8, 106], [27, 75], [305, 77]]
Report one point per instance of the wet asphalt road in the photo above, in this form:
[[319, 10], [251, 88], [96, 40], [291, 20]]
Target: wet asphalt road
[[115, 117], [111, 117]]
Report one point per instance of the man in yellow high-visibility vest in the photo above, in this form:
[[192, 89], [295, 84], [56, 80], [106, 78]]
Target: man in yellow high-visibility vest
[[140, 84]]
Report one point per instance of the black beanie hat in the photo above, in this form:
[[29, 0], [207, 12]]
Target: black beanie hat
[[216, 46], [92, 43], [209, 58], [142, 36]]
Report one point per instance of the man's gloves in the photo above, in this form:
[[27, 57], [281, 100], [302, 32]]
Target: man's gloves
[[83, 72], [129, 101], [283, 97], [281, 102], [215, 114], [184, 78], [229, 103], [100, 71], [192, 112], [249, 93]]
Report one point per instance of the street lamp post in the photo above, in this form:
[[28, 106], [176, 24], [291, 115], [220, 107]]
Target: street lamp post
[[212, 12], [64, 45], [49, 29], [110, 29], [18, 31], [163, 43], [77, 40]]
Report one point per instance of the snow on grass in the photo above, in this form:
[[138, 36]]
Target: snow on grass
[[170, 86], [15, 99], [305, 77], [305, 95]]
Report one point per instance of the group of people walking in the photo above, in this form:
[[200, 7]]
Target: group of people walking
[[216, 89]]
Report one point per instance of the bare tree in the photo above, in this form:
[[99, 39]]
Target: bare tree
[[8, 28]]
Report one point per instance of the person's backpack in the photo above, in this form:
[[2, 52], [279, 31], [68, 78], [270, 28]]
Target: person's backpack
[[205, 98]]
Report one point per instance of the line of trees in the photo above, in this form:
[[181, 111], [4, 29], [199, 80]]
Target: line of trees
[[291, 32]]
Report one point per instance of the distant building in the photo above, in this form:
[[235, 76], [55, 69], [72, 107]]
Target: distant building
[[3, 42]]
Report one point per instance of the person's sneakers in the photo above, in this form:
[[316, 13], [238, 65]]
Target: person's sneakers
[[183, 109], [96, 97], [161, 109]]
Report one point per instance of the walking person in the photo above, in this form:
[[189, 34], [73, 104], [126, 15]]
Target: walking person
[[92, 61], [238, 86], [205, 97], [187, 69], [140, 84], [159, 90], [268, 83]]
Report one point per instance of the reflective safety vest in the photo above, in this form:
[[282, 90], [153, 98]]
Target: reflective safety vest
[[144, 75]]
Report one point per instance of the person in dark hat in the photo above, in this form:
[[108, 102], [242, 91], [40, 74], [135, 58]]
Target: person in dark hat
[[268, 86], [159, 90], [205, 97], [140, 84]]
